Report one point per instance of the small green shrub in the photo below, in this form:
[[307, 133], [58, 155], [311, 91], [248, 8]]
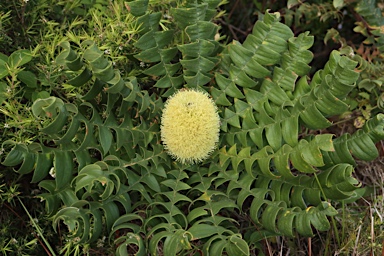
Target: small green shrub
[[103, 168]]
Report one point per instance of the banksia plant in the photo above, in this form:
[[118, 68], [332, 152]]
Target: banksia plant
[[276, 172], [190, 126]]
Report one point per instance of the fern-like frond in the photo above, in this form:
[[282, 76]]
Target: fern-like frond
[[267, 109], [360, 144], [199, 55]]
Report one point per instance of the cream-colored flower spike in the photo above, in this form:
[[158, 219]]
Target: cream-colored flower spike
[[190, 126]]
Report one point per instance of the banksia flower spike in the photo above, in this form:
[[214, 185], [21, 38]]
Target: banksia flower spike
[[190, 126]]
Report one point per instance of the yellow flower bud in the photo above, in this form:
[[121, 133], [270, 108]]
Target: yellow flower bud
[[190, 126]]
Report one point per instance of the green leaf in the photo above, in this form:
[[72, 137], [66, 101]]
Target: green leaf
[[217, 247], [176, 185], [153, 244], [3, 90], [202, 30], [229, 87], [273, 134], [319, 220], [185, 17], [269, 36], [232, 118], [76, 220], [16, 155], [152, 182], [298, 56], [243, 58], [286, 220], [216, 207], [111, 213], [125, 244], [27, 78], [177, 242], [237, 246], [81, 79], [362, 147], [137, 7], [199, 231], [338, 4], [43, 165], [106, 138], [19, 58], [63, 164], [54, 108], [303, 224], [195, 213], [313, 118], [3, 68], [3, 57], [75, 64], [292, 3], [40, 95], [239, 76], [270, 215]]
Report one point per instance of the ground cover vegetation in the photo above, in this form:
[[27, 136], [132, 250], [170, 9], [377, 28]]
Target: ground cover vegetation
[[102, 112]]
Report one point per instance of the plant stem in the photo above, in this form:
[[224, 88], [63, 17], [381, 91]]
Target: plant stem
[[343, 222], [38, 230]]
